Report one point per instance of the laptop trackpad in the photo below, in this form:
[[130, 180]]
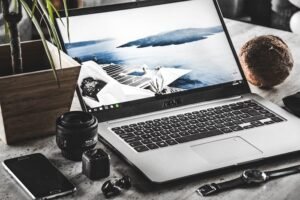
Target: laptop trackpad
[[227, 150]]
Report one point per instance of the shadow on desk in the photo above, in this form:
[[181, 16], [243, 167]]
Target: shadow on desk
[[143, 185]]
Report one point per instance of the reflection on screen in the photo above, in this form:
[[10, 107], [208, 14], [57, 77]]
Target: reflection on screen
[[139, 53]]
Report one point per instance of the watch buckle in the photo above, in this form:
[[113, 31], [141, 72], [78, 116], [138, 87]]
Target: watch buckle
[[206, 190]]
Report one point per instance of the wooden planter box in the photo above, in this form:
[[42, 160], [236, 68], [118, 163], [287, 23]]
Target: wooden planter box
[[31, 102]]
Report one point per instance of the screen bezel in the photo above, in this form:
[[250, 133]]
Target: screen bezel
[[157, 103], [7, 164]]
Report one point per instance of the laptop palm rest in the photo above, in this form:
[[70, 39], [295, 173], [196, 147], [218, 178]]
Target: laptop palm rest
[[226, 150]]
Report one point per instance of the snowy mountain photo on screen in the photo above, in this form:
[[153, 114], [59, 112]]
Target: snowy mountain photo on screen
[[188, 38]]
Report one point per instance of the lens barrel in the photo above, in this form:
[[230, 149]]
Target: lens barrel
[[76, 132]]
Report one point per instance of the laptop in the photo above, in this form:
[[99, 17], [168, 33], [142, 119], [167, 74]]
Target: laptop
[[166, 85]]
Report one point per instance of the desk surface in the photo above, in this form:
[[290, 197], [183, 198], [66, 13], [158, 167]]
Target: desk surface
[[284, 188]]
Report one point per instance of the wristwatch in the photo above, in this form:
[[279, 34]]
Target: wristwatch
[[248, 177]]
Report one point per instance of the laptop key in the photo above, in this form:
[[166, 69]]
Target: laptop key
[[192, 131], [192, 127], [165, 137], [119, 132], [249, 126], [236, 128], [171, 142], [220, 125], [245, 115], [146, 141], [147, 126], [176, 125], [269, 115], [198, 136], [167, 127], [183, 128], [157, 128], [201, 125], [256, 123], [209, 123], [147, 136], [276, 119], [138, 133], [237, 112], [132, 139], [226, 130], [174, 130], [264, 111], [164, 132], [210, 128], [138, 128], [269, 122], [165, 123], [175, 135], [156, 134], [135, 144], [201, 130], [162, 144], [259, 108], [152, 146], [251, 119], [237, 122], [184, 133], [127, 135], [253, 113], [229, 124], [184, 123], [156, 139], [148, 131], [141, 148]]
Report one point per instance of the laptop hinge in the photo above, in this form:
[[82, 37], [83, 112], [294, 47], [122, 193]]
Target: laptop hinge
[[234, 98]]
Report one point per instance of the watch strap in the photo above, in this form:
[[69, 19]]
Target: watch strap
[[214, 188], [283, 172]]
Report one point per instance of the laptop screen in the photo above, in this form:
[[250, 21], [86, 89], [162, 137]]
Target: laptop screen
[[144, 52]]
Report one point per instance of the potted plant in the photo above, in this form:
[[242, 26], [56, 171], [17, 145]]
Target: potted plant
[[37, 80]]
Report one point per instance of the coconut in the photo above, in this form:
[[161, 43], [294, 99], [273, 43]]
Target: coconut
[[266, 61]]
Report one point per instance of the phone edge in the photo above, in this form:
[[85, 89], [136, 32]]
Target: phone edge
[[29, 193], [18, 181]]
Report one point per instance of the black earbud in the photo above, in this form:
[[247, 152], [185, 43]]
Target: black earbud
[[113, 188], [110, 190], [124, 183]]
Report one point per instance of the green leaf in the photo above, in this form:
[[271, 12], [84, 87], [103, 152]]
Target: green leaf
[[67, 16], [15, 5], [34, 3], [43, 39], [6, 30], [52, 29], [50, 10], [57, 13]]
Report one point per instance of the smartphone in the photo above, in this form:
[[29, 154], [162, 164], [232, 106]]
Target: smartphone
[[38, 177]]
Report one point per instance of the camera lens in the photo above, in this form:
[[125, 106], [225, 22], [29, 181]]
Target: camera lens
[[76, 132]]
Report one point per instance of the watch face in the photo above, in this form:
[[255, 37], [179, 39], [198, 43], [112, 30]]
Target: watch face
[[254, 176]]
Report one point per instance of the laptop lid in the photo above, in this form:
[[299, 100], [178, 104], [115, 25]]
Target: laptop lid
[[152, 55]]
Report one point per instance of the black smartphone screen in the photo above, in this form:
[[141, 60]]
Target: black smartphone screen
[[39, 176]]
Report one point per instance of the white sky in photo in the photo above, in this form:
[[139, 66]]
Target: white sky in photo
[[127, 25]]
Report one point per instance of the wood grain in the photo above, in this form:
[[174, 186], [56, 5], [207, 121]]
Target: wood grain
[[30, 102]]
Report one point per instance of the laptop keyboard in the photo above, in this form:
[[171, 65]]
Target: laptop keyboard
[[177, 129]]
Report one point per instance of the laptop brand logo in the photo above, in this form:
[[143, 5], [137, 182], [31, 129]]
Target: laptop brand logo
[[171, 103]]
